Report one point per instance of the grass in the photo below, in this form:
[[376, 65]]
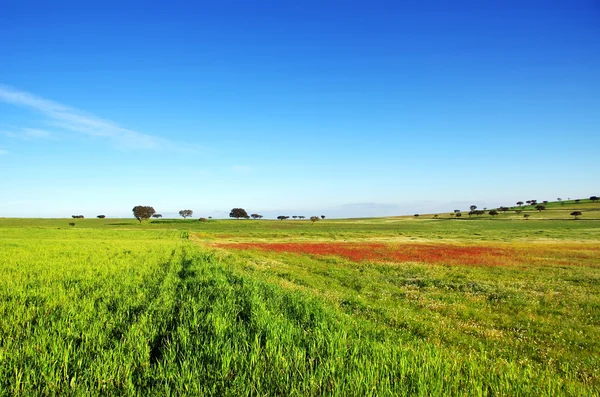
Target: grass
[[390, 306]]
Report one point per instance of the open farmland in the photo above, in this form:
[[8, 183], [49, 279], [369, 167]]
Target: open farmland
[[389, 306]]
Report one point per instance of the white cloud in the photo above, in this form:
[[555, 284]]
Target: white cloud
[[29, 134], [76, 120]]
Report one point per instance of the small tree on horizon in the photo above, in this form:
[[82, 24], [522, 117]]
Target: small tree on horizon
[[473, 207], [519, 203], [594, 199], [101, 216], [156, 216], [142, 212], [493, 213], [322, 216], [576, 214], [314, 219], [540, 207], [186, 213], [238, 213]]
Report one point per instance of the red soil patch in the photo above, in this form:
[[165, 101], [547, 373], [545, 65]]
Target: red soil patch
[[377, 252]]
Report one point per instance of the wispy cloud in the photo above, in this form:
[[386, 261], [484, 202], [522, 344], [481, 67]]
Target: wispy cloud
[[78, 121], [28, 134]]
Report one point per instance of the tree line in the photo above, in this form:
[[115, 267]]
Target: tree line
[[143, 212], [521, 205]]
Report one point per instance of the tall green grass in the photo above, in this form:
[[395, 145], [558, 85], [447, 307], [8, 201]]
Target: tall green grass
[[145, 312]]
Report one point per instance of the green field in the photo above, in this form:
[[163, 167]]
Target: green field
[[384, 306]]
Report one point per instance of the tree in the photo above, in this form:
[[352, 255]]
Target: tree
[[186, 213], [238, 213], [435, 216], [72, 224], [282, 217], [314, 219], [456, 211], [577, 201], [256, 216], [576, 214], [594, 199], [101, 216], [540, 207], [156, 216], [518, 212], [503, 209], [493, 213], [533, 202], [322, 216], [545, 202], [473, 207], [519, 203], [294, 216], [458, 214], [526, 216], [416, 215], [142, 212], [202, 219], [301, 217]]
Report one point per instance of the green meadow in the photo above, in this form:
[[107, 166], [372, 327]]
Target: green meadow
[[427, 305]]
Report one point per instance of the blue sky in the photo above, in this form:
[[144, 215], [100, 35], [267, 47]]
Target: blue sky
[[345, 108]]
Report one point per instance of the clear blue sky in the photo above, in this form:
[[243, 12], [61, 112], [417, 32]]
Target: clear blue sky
[[342, 108]]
